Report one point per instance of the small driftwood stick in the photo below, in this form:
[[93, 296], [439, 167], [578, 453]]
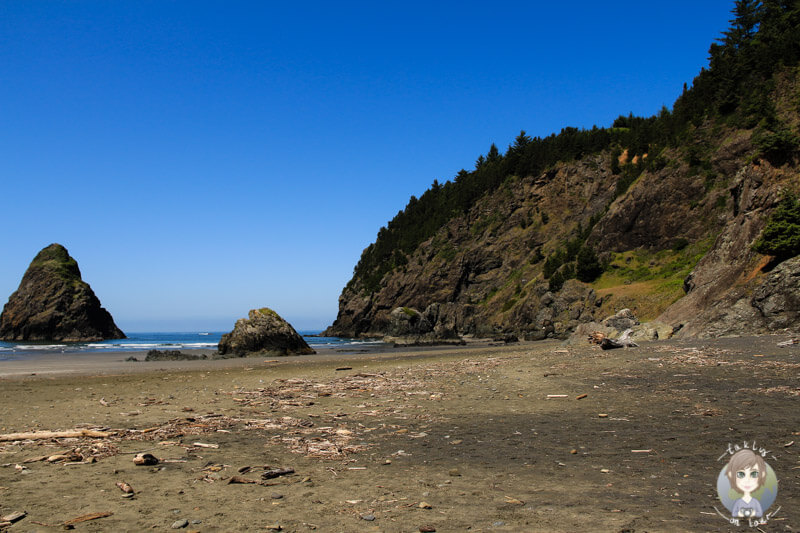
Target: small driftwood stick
[[37, 435], [276, 472], [87, 517], [241, 480]]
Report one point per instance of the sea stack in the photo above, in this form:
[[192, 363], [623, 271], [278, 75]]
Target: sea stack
[[264, 332], [53, 303]]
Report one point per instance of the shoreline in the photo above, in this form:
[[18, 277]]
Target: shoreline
[[76, 364]]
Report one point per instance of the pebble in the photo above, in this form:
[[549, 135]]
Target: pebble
[[425, 505], [427, 529], [454, 472], [276, 496], [368, 517], [180, 524]]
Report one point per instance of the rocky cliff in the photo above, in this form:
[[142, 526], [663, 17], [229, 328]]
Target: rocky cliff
[[674, 242], [53, 303]]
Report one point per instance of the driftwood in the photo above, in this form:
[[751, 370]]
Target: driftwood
[[14, 517], [607, 343], [277, 472], [37, 435], [87, 517], [596, 337], [610, 344], [241, 480]]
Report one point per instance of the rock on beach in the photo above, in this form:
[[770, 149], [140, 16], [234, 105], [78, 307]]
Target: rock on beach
[[264, 332]]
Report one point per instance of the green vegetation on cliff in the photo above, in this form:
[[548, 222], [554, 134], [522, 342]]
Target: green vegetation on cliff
[[735, 91], [781, 236], [56, 260]]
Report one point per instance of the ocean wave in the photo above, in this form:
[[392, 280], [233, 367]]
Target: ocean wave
[[199, 345], [39, 347], [152, 345], [164, 341], [341, 343]]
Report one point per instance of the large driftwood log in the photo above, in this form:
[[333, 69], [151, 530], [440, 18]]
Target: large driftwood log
[[607, 343], [37, 435]]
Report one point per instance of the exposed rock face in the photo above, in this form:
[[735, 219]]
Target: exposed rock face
[[768, 302], [621, 320], [409, 327], [406, 321], [477, 276], [729, 292], [701, 203], [777, 299], [53, 303], [263, 332]]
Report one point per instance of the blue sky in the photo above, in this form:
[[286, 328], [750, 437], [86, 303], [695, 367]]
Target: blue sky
[[199, 159]]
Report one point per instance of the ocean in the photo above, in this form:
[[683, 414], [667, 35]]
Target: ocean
[[138, 342]]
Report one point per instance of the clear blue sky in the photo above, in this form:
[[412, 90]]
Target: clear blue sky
[[199, 158]]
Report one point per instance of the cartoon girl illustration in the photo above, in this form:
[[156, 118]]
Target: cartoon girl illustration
[[746, 472]]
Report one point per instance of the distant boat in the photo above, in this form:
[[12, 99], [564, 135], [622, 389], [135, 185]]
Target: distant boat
[[204, 333]]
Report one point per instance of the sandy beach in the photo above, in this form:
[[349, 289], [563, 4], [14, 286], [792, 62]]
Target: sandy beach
[[519, 437]]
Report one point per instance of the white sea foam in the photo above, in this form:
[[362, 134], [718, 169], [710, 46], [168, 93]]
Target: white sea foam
[[40, 347], [163, 341], [195, 345]]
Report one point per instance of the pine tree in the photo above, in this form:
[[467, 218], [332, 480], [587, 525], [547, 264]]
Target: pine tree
[[781, 235], [747, 16], [587, 265], [494, 154]]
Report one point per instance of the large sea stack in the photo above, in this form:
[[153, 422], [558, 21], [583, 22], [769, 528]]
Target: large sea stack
[[53, 303], [264, 332]]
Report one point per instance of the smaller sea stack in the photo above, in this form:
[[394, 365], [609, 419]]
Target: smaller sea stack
[[53, 303], [264, 332]]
